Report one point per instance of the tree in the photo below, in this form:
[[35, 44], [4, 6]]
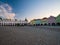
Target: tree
[[26, 19], [0, 18]]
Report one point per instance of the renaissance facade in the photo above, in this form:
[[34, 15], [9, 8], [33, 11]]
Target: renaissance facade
[[46, 21]]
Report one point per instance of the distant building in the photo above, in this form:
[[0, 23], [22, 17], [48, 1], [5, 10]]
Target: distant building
[[51, 20], [36, 21], [58, 19], [44, 20]]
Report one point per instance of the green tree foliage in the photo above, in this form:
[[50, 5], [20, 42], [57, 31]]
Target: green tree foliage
[[26, 19], [0, 18]]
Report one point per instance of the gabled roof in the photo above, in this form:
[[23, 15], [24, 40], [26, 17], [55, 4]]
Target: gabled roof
[[44, 18], [35, 19], [51, 17]]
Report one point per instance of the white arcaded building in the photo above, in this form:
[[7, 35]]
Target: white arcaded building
[[12, 22]]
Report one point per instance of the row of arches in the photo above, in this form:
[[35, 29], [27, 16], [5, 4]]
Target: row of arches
[[47, 24], [13, 24], [28, 24]]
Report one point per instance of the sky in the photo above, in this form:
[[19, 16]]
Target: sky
[[33, 9]]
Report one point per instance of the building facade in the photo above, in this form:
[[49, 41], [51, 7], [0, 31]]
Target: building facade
[[12, 22]]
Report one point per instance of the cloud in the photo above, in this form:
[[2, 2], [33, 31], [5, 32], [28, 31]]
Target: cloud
[[6, 11], [10, 16]]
